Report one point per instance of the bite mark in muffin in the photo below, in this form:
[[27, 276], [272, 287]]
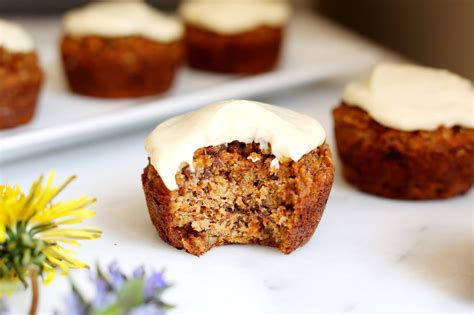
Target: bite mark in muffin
[[229, 199], [237, 172]]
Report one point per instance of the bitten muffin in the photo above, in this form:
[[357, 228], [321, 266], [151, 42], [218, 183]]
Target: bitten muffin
[[407, 133], [234, 36], [20, 76], [121, 49], [237, 172]]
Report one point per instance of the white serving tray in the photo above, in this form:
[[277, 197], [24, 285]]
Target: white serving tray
[[314, 50]]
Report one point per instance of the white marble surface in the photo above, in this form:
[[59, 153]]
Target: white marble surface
[[368, 255]]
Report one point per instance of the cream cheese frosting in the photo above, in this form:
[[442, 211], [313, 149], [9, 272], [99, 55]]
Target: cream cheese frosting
[[409, 97], [235, 16], [115, 19], [14, 38], [174, 141]]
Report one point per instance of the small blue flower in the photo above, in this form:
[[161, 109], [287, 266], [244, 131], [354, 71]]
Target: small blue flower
[[117, 278], [4, 307], [139, 272], [152, 284], [119, 294], [74, 305], [101, 289]]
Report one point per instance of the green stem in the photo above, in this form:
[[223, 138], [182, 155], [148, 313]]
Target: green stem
[[34, 292]]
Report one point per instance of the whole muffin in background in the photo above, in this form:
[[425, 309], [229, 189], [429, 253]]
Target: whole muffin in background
[[407, 133], [234, 36], [237, 172], [20, 76], [121, 49]]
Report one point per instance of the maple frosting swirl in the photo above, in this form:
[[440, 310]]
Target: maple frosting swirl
[[116, 19], [14, 38], [174, 141], [409, 97], [230, 17]]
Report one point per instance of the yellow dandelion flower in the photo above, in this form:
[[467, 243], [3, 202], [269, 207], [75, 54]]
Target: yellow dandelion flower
[[33, 229]]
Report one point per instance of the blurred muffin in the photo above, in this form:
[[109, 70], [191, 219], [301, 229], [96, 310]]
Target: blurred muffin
[[234, 36], [237, 172], [407, 133], [120, 49], [20, 76]]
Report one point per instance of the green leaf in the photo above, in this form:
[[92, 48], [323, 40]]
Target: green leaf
[[26, 259], [20, 275], [131, 294], [165, 306], [114, 309]]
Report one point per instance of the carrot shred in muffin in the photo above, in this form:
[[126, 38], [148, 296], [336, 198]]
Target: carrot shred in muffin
[[234, 196], [20, 83], [400, 164]]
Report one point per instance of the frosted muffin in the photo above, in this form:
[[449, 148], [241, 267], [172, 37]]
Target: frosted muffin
[[120, 49], [20, 76], [407, 133], [237, 172], [234, 36]]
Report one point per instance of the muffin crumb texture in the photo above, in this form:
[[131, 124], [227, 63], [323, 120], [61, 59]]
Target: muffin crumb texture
[[400, 164], [234, 196], [120, 67], [251, 52], [20, 83]]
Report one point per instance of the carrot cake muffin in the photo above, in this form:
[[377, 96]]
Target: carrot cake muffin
[[407, 133], [237, 172], [120, 49], [234, 36], [20, 76]]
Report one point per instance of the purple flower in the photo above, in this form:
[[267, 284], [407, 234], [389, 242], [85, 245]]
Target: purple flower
[[74, 305], [117, 278], [3, 307], [149, 309], [152, 284], [100, 293], [136, 295], [139, 272]]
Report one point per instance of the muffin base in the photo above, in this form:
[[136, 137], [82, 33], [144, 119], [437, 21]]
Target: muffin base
[[229, 199], [251, 52], [120, 67], [20, 83], [403, 165]]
